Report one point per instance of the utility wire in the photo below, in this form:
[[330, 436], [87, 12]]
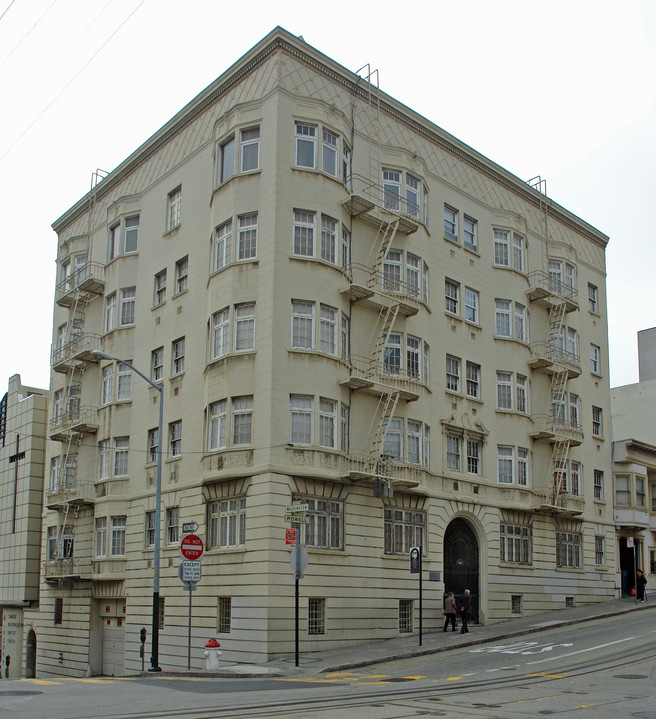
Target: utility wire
[[20, 42], [69, 83], [7, 10]]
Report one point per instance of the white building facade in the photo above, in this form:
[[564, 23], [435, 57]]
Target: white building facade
[[349, 308]]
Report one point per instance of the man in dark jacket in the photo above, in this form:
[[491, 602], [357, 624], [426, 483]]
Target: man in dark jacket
[[465, 610], [450, 612], [641, 583]]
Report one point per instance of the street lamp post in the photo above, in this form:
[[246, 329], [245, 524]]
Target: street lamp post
[[154, 658]]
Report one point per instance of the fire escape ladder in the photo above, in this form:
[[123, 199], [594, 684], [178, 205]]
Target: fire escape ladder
[[386, 319], [559, 465], [384, 412], [384, 240]]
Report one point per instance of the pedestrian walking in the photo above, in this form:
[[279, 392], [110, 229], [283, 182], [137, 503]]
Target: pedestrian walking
[[465, 611], [450, 612], [641, 583]]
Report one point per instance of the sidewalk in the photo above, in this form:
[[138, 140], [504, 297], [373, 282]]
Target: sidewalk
[[364, 654]]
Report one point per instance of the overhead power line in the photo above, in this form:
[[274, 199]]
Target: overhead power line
[[7, 10], [20, 42]]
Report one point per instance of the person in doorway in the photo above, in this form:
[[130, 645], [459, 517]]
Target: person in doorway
[[641, 583], [465, 611], [450, 612]]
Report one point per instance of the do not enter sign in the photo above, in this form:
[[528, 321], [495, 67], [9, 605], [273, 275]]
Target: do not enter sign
[[191, 547]]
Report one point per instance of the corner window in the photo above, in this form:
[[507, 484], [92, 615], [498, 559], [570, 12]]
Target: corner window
[[227, 159], [217, 424], [118, 526], [128, 230], [247, 240], [223, 245], [242, 420], [306, 145], [329, 152], [131, 234]]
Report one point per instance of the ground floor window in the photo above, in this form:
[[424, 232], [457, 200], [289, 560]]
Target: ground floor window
[[405, 615], [515, 544], [599, 550], [404, 529], [568, 549], [316, 615], [224, 619]]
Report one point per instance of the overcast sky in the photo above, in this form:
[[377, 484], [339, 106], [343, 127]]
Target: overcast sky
[[564, 89]]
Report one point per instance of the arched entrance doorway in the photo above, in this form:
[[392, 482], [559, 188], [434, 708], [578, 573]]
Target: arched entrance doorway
[[461, 561], [30, 655]]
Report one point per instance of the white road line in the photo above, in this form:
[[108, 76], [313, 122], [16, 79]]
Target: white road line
[[581, 651]]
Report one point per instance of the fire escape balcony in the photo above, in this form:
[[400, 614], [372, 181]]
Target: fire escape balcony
[[75, 354], [84, 284], [72, 492], [551, 359], [369, 201], [548, 428], [380, 291], [66, 568], [547, 292], [381, 379], [563, 504], [74, 421], [369, 467]]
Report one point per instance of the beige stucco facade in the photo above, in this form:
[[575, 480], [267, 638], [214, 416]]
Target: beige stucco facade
[[347, 307]]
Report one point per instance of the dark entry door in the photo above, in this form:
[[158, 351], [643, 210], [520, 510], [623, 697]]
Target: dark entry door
[[30, 656], [627, 567], [461, 561]]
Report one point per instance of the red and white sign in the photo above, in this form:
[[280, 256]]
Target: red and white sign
[[290, 536], [629, 542], [191, 547]]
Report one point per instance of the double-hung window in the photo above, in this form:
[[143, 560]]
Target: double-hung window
[[245, 326], [174, 208], [504, 390], [220, 333], [392, 189], [470, 232], [242, 419], [302, 325], [328, 330], [450, 223], [413, 195], [451, 296], [128, 301], [123, 382], [510, 320], [223, 245], [118, 526], [218, 418], [453, 373], [597, 422], [502, 321], [302, 418], [327, 423], [107, 386], [150, 529], [178, 356], [595, 359], [306, 145], [413, 275], [599, 485], [501, 248], [104, 454], [172, 525], [181, 275], [131, 234], [160, 288], [392, 356], [471, 305], [330, 152], [393, 431], [175, 439], [121, 454], [329, 239], [153, 445], [157, 364], [473, 456], [304, 233], [453, 452], [101, 537], [247, 239], [593, 299], [249, 152], [227, 159], [473, 380], [110, 312]]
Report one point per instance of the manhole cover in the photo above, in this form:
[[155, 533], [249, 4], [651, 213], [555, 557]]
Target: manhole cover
[[19, 694], [631, 676]]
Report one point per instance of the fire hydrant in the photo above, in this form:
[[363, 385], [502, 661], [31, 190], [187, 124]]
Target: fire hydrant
[[212, 655]]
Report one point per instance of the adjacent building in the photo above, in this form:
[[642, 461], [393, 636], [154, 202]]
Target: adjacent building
[[347, 308], [634, 469], [23, 431]]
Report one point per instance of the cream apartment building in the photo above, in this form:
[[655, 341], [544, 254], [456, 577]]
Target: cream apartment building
[[349, 308]]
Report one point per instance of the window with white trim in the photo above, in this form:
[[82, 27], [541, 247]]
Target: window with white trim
[[107, 384], [217, 425], [452, 296], [121, 454], [304, 233], [515, 543], [562, 278], [306, 145], [128, 229], [641, 495], [512, 391], [473, 380], [117, 530], [172, 525], [599, 550], [404, 529], [597, 422], [226, 521], [128, 301], [222, 254], [245, 326], [623, 490], [243, 319], [181, 275], [599, 485], [175, 439], [474, 447], [249, 149], [329, 228], [509, 254], [450, 223], [178, 356], [174, 207], [226, 165], [453, 452], [595, 359], [123, 382], [471, 305], [329, 152], [100, 541], [150, 529], [110, 312], [301, 409], [453, 373], [327, 423], [510, 320], [247, 236], [160, 288], [593, 298], [152, 445], [157, 364], [104, 454], [470, 233], [392, 428], [405, 192], [302, 324], [328, 329], [242, 419]]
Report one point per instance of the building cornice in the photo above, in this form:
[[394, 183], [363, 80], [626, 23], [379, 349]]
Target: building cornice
[[281, 40]]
